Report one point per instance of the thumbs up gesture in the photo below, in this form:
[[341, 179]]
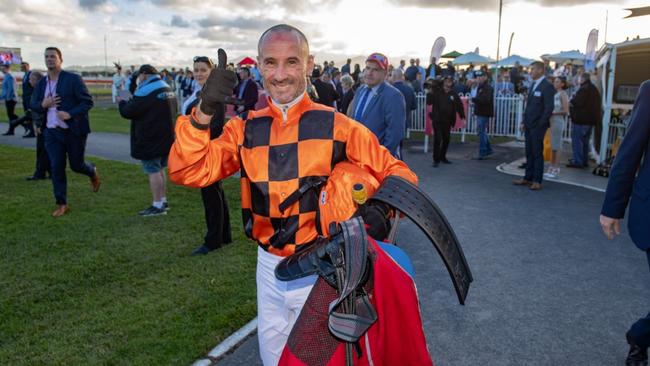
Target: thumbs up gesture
[[218, 88]]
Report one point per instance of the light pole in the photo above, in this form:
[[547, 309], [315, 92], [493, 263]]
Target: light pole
[[496, 65]]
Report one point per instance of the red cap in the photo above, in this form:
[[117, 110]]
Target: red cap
[[380, 59]]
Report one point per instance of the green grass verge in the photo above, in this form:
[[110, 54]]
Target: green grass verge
[[102, 286], [104, 119]]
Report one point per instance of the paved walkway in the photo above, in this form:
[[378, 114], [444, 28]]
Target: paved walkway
[[114, 146], [549, 288]]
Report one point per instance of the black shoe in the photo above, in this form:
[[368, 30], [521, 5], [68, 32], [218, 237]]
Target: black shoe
[[36, 177], [165, 206], [435, 164], [637, 355], [29, 135], [445, 161], [152, 211], [8, 133], [522, 166], [202, 250]]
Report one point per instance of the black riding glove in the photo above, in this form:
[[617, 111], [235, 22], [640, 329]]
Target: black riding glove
[[376, 216], [217, 89]]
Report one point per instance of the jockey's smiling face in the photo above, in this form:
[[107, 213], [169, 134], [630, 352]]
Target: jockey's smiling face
[[284, 63]]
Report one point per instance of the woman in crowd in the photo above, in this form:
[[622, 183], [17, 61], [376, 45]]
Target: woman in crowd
[[356, 72], [558, 124], [348, 93], [215, 205]]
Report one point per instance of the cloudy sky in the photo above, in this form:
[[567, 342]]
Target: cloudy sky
[[172, 32]]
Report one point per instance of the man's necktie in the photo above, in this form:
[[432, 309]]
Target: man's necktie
[[362, 104]]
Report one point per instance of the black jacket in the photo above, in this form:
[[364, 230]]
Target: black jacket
[[151, 111], [445, 105], [345, 101], [249, 96], [327, 95], [484, 100], [585, 105]]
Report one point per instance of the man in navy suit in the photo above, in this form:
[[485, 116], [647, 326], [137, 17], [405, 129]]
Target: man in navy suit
[[539, 108], [379, 106], [246, 90], [628, 179], [62, 97]]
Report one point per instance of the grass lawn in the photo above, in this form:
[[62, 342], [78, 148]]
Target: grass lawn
[[102, 286], [102, 119]]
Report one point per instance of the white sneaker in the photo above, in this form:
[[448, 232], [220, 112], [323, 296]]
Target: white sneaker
[[552, 174]]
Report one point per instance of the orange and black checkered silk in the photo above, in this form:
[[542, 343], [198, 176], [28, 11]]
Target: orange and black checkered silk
[[277, 152]]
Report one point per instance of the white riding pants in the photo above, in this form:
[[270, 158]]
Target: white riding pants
[[278, 306]]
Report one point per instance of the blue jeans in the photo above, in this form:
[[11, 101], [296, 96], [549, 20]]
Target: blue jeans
[[58, 144], [484, 142], [580, 144]]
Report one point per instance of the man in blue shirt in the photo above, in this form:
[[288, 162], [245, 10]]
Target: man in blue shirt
[[26, 120], [9, 94], [379, 106]]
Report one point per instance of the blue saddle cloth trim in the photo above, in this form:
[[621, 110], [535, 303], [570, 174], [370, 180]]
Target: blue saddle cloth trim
[[398, 256]]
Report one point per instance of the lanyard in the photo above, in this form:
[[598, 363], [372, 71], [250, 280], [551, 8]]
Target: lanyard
[[49, 89]]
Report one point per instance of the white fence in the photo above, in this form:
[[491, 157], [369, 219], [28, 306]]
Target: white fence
[[509, 111]]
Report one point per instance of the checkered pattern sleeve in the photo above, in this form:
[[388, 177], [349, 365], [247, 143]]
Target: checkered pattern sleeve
[[363, 149], [197, 161]]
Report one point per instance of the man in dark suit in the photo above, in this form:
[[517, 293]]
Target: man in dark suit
[[539, 108], [327, 95], [445, 105], [630, 177], [62, 97], [246, 91]]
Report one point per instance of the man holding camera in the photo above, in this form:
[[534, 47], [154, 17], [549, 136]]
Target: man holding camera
[[445, 105]]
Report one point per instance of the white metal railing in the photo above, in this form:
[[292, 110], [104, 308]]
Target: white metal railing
[[509, 110]]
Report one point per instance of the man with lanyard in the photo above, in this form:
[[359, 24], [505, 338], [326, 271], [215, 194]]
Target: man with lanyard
[[64, 100], [274, 151]]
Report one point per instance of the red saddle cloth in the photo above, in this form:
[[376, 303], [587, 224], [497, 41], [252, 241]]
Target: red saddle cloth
[[396, 338]]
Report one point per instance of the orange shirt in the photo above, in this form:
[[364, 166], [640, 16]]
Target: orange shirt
[[276, 152]]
